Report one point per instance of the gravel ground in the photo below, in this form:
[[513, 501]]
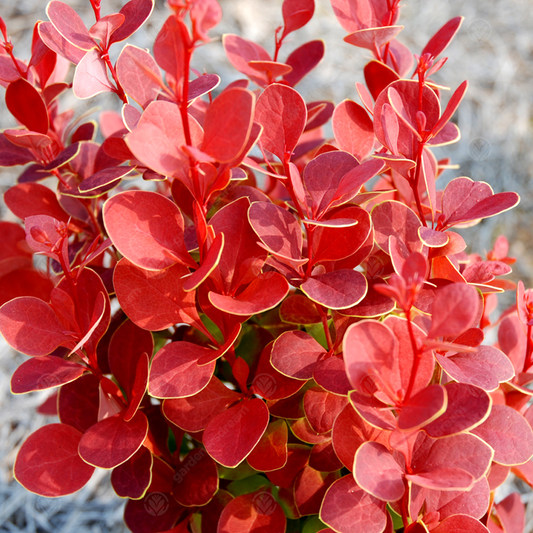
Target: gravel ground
[[494, 51]]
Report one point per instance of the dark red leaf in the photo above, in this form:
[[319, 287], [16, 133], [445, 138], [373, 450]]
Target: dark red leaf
[[196, 479], [322, 408], [298, 309], [27, 105], [271, 452], [78, 402], [302, 60], [132, 478], [135, 13], [297, 459]]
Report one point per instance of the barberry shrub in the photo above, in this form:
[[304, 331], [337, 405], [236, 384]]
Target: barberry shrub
[[234, 319]]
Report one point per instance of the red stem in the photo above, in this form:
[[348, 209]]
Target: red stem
[[529, 350], [119, 90], [416, 356], [324, 319]]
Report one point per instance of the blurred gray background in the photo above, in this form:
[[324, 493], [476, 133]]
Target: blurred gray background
[[493, 50]]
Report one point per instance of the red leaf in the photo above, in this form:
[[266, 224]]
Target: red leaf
[[271, 384], [230, 436], [337, 290], [454, 310], [324, 458], [241, 51], [196, 479], [91, 78], [135, 12], [278, 230], [295, 353], [104, 177], [30, 326], [12, 155], [45, 372], [350, 431], [138, 387], [309, 488], [486, 368], [465, 200], [378, 77], [48, 462], [440, 41], [156, 511], [323, 175], [78, 402], [205, 15], [27, 106], [281, 135], [394, 218], [353, 129], [69, 24], [431, 454], [330, 374], [155, 300], [296, 14], [56, 42], [105, 27], [512, 513], [138, 72], [158, 137], [169, 47], [376, 471], [467, 407], [113, 441], [242, 258], [371, 349], [252, 513], [349, 509], [147, 229], [373, 38], [126, 348], [322, 408], [372, 410], [297, 459], [302, 60], [298, 309], [175, 372], [271, 452], [510, 436], [132, 478], [423, 408], [194, 412], [23, 282], [266, 291], [443, 479], [460, 523], [209, 263], [228, 124]]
